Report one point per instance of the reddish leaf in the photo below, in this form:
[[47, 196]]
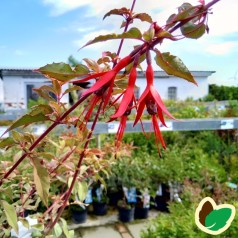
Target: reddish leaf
[[93, 65], [123, 24], [57, 87], [143, 17], [173, 65], [71, 89], [121, 11]]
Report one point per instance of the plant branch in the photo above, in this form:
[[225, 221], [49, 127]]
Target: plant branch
[[68, 193], [42, 136], [145, 47], [128, 20]]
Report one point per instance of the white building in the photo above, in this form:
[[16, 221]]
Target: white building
[[1, 95], [17, 86], [171, 87]]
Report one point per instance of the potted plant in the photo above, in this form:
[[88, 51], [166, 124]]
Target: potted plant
[[114, 190], [78, 212], [81, 197], [126, 206], [142, 205], [100, 200], [124, 171], [162, 198]]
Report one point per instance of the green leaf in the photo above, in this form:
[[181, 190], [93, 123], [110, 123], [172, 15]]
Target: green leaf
[[46, 155], [16, 136], [38, 227], [120, 12], [57, 229], [7, 192], [26, 120], [82, 190], [173, 65], [41, 108], [7, 142], [171, 21], [165, 34], [133, 33], [149, 35], [42, 180], [143, 17], [11, 215], [68, 234], [217, 219], [24, 222], [185, 10], [193, 31], [82, 69], [63, 72]]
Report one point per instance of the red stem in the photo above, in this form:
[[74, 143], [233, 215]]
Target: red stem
[[126, 27], [42, 136], [68, 193]]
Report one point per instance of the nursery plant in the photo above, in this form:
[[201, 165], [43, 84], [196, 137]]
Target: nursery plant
[[108, 72], [180, 221]]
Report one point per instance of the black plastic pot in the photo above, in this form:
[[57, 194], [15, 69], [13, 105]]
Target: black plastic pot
[[161, 203], [141, 213], [126, 214], [79, 216], [100, 208], [114, 197]]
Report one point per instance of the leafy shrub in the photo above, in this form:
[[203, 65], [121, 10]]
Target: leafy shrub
[[180, 222]]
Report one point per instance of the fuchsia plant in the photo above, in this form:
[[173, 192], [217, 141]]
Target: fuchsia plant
[[107, 72]]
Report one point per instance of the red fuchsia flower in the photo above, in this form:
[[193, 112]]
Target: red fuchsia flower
[[88, 111], [103, 87], [125, 106], [128, 95], [154, 104], [122, 127], [108, 77]]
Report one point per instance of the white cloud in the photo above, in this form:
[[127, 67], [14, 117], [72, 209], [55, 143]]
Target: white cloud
[[221, 22], [90, 36], [224, 18], [86, 29], [60, 7], [221, 48]]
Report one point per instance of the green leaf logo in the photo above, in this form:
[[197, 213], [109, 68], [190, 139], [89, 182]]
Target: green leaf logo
[[214, 219]]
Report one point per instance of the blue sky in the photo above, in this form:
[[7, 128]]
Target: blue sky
[[37, 32]]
